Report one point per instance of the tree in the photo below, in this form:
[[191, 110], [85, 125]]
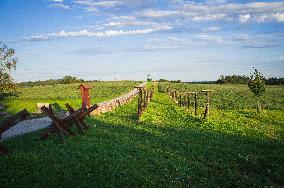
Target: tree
[[149, 78], [221, 80], [70, 80], [256, 85], [8, 62]]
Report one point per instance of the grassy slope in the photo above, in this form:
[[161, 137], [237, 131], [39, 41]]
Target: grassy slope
[[169, 148], [62, 93]]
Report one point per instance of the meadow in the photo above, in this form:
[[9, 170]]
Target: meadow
[[169, 147], [234, 97], [28, 97]]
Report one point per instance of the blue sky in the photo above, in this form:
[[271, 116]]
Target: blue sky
[[128, 39]]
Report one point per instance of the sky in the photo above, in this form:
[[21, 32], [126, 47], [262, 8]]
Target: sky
[[128, 39]]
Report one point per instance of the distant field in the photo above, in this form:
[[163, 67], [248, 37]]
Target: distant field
[[233, 96], [27, 97]]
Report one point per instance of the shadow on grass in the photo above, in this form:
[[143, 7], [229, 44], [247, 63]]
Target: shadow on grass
[[9, 94], [115, 154], [218, 158]]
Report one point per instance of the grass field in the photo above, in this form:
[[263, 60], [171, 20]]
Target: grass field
[[233, 96], [28, 97], [168, 148]]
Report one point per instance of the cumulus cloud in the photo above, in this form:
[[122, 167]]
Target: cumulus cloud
[[244, 18]]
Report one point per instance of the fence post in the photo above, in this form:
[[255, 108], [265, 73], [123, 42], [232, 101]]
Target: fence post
[[188, 101], [184, 101], [139, 103], [195, 104], [206, 112], [148, 96], [144, 99]]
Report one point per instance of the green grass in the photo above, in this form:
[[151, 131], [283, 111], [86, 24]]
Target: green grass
[[233, 96], [168, 148], [28, 97]]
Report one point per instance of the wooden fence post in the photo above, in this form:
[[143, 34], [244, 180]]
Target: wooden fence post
[[195, 104], [139, 108], [184, 101], [188, 101], [145, 99], [206, 112], [139, 103]]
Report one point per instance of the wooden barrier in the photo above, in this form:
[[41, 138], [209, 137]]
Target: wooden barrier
[[62, 126], [10, 122]]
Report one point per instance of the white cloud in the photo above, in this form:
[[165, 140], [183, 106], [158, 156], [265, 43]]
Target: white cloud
[[128, 17], [97, 3], [255, 7], [271, 11], [92, 6], [211, 29], [214, 2], [281, 58], [278, 17], [208, 17], [244, 18], [108, 33], [130, 23], [60, 5], [159, 14], [220, 10], [37, 38], [56, 1]]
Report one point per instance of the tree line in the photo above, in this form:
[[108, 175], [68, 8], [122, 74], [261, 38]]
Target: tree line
[[239, 79], [64, 80]]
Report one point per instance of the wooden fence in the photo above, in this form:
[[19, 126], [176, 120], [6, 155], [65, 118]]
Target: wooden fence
[[144, 97], [183, 99]]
